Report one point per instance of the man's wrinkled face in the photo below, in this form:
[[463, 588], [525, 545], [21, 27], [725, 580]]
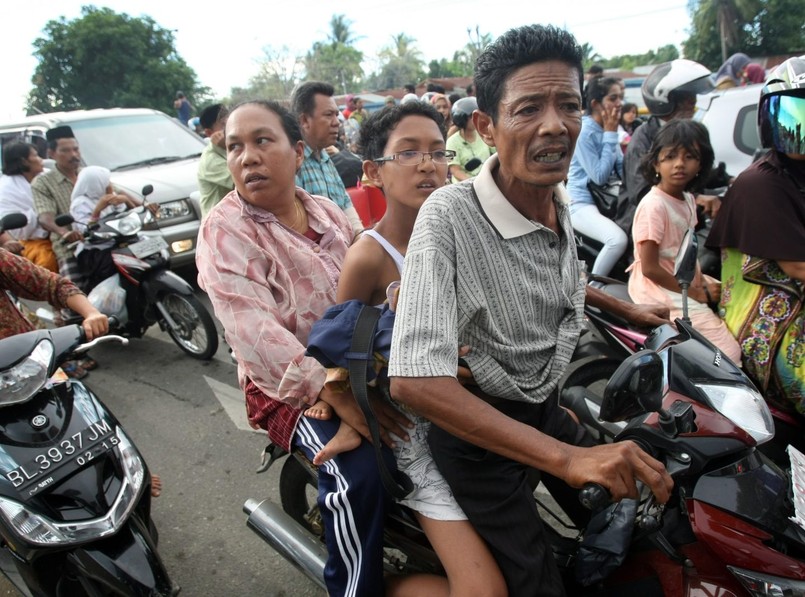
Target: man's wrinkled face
[[538, 122]]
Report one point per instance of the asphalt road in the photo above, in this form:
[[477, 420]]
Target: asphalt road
[[188, 420]]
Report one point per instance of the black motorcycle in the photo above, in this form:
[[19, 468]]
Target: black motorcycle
[[75, 499]]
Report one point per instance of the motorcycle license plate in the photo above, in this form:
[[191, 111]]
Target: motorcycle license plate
[[148, 246], [69, 454]]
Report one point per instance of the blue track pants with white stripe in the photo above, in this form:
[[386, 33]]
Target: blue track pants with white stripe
[[353, 506]]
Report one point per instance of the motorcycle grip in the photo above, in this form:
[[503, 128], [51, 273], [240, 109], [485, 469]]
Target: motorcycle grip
[[594, 497]]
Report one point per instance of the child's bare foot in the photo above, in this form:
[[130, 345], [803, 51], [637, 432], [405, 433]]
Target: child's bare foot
[[320, 410], [156, 486], [344, 440]]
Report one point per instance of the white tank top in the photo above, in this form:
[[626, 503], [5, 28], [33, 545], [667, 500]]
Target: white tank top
[[393, 253]]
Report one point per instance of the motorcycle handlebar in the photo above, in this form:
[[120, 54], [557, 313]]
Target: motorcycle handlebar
[[594, 497]]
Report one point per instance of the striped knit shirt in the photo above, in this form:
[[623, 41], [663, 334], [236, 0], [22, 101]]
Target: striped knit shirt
[[478, 273]]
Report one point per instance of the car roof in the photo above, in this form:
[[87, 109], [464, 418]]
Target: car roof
[[55, 118]]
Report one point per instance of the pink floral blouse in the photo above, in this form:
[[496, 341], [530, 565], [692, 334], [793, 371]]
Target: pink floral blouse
[[268, 285]]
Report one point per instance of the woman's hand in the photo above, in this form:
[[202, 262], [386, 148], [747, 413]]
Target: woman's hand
[[95, 324], [13, 246], [611, 118]]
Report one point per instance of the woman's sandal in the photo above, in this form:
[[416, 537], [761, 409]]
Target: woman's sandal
[[88, 363], [73, 370]]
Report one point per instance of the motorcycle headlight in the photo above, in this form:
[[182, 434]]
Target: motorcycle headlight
[[127, 225], [25, 379], [744, 407], [173, 209], [764, 585], [41, 530]]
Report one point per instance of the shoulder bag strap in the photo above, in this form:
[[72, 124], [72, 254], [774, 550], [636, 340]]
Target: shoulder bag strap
[[359, 357]]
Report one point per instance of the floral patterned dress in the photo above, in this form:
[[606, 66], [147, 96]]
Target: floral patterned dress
[[763, 308]]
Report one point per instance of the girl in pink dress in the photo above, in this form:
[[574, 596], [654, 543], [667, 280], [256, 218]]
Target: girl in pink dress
[[678, 162]]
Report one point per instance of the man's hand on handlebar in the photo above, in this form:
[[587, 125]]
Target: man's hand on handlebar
[[616, 467], [71, 236]]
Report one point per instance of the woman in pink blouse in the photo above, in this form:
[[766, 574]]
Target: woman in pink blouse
[[269, 257]]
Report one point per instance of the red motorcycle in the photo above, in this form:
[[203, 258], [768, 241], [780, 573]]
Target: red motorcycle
[[734, 524], [729, 529]]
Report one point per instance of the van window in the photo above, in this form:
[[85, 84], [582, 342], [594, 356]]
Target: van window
[[122, 142], [746, 135]]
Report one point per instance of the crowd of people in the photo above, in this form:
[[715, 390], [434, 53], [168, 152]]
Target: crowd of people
[[476, 256]]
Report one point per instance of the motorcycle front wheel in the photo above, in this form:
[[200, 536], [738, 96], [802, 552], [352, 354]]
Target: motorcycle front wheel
[[195, 332]]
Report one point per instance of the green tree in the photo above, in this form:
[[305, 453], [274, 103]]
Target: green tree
[[629, 61], [336, 60], [778, 28], [590, 56], [401, 62], [103, 59], [278, 73], [467, 56], [719, 28], [457, 67]]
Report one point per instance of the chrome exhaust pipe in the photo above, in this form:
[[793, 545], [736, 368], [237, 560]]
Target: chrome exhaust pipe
[[288, 538]]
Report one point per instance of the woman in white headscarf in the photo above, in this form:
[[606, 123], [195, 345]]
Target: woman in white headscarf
[[93, 198]]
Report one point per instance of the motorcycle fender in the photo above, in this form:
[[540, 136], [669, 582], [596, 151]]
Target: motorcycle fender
[[127, 563], [165, 281]]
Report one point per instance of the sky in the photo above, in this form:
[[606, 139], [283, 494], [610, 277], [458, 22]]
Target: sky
[[223, 45]]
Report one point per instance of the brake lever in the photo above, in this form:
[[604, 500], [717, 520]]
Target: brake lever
[[109, 338]]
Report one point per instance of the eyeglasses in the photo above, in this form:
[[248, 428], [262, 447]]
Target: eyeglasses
[[414, 158]]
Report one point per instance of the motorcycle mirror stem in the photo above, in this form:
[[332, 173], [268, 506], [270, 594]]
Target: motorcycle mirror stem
[[147, 190], [685, 267]]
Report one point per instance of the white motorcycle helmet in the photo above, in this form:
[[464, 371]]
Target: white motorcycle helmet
[[664, 85]]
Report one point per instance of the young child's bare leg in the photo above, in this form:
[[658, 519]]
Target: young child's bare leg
[[344, 440], [470, 570]]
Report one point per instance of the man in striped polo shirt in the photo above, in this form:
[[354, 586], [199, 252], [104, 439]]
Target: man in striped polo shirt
[[492, 265]]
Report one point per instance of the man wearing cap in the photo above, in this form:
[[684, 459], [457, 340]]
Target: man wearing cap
[[214, 179], [52, 191], [314, 106]]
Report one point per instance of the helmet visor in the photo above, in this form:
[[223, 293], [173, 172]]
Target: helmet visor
[[781, 123]]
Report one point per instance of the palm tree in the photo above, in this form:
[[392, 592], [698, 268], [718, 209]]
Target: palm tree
[[402, 48], [729, 17], [475, 46], [401, 61], [589, 55], [340, 31]]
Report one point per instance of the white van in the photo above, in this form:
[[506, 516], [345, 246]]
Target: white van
[[140, 147]]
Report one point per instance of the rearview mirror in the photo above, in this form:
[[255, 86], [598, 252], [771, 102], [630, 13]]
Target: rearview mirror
[[635, 388], [64, 220], [13, 220], [147, 190], [685, 264]]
